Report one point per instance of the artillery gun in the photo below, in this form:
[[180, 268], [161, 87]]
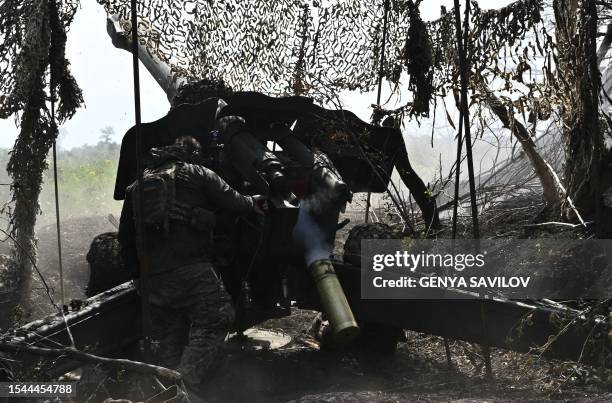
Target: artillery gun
[[309, 161]]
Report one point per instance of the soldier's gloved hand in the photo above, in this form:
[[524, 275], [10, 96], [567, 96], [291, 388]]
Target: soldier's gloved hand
[[261, 204]]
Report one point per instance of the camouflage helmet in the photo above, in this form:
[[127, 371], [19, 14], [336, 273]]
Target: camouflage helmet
[[184, 148]]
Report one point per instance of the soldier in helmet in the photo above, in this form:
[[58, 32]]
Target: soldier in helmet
[[190, 309]]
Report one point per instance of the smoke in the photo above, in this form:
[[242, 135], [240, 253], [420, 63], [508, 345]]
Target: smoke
[[319, 211], [310, 236]]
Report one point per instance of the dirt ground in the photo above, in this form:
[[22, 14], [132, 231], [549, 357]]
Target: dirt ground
[[417, 372], [77, 234], [301, 372]]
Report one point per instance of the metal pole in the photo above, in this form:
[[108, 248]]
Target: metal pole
[[141, 234], [464, 78], [53, 11], [457, 177], [57, 216], [462, 44], [54, 20], [55, 185], [380, 77], [381, 68]]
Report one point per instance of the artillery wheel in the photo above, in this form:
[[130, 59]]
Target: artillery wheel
[[105, 267], [375, 337]]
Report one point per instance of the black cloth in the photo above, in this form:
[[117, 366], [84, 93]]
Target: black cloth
[[184, 245]]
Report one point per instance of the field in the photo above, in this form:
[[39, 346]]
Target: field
[[86, 178]]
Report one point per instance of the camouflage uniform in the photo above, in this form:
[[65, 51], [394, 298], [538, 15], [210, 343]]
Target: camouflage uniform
[[190, 315], [190, 309]]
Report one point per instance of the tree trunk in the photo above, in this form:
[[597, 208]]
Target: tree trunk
[[550, 192], [418, 190], [578, 86]]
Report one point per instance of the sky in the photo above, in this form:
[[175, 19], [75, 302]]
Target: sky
[[104, 73]]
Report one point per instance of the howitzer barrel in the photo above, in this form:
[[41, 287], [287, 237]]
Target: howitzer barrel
[[168, 80], [335, 304], [292, 145], [251, 158]]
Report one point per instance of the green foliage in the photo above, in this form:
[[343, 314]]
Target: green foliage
[[86, 178], [33, 68], [86, 183]]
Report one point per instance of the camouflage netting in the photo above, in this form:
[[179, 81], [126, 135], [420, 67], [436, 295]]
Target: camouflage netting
[[505, 49], [33, 38], [281, 47], [319, 48], [315, 48], [106, 269]]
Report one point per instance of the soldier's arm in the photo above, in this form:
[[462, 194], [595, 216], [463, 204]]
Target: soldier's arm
[[127, 238], [223, 195]]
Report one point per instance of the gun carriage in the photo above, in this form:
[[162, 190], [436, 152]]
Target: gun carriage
[[309, 161]]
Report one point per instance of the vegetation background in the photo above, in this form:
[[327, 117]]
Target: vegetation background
[[86, 177]]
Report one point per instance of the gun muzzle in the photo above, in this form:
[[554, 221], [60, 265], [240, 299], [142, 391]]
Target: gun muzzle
[[335, 305]]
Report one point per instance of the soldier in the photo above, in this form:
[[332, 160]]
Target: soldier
[[190, 309]]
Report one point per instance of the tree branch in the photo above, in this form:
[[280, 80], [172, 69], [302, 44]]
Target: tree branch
[[566, 195], [77, 355], [605, 45], [540, 166], [553, 223]]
